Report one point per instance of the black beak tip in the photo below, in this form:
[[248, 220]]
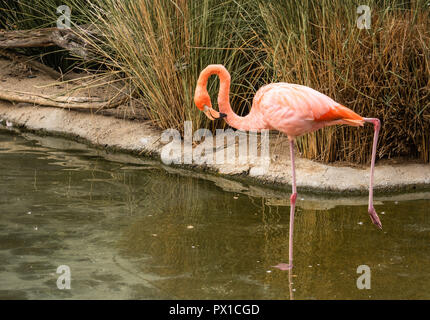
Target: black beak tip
[[222, 115]]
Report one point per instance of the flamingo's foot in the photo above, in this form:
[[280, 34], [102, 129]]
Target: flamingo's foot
[[374, 217], [284, 266]]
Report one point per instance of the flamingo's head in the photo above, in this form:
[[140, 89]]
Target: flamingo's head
[[203, 103]]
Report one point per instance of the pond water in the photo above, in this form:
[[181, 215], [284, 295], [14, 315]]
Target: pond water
[[128, 228]]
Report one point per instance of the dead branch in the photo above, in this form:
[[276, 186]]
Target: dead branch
[[77, 103], [26, 38], [69, 39], [35, 65]]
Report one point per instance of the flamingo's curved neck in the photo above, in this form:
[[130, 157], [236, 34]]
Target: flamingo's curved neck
[[235, 121]]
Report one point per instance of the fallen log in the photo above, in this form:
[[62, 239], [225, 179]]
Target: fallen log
[[76, 41], [73, 40], [26, 38], [35, 65], [77, 103]]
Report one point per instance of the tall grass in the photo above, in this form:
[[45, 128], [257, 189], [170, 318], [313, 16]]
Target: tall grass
[[161, 46], [380, 72]]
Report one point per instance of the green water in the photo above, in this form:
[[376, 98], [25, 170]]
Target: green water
[[130, 229]]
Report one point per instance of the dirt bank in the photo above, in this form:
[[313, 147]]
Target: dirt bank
[[141, 138]]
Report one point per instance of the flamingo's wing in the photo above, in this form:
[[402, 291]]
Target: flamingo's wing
[[296, 110], [340, 112], [326, 109], [309, 103]]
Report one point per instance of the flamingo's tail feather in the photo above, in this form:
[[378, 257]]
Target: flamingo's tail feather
[[342, 114]]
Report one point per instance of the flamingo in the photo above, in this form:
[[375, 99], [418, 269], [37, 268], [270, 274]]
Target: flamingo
[[289, 108]]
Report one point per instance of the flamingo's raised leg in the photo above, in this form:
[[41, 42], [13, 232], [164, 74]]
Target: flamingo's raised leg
[[372, 212]]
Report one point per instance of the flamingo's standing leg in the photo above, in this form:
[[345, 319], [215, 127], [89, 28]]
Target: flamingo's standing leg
[[372, 212], [293, 198], [290, 283]]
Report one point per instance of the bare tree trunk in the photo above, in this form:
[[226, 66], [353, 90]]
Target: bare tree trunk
[[26, 38], [82, 103], [76, 41], [35, 65], [73, 40]]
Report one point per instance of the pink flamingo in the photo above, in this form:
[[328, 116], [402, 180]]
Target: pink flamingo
[[290, 108]]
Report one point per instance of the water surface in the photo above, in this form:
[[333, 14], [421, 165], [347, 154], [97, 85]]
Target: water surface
[[130, 229]]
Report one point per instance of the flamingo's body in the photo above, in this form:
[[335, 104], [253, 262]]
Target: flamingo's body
[[290, 108], [295, 110]]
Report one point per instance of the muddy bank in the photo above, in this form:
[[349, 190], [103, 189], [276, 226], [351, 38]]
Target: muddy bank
[[140, 138]]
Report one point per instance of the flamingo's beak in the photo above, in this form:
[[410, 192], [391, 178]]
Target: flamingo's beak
[[213, 114]]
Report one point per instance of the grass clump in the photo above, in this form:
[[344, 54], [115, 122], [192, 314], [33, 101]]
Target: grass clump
[[380, 72], [162, 45]]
